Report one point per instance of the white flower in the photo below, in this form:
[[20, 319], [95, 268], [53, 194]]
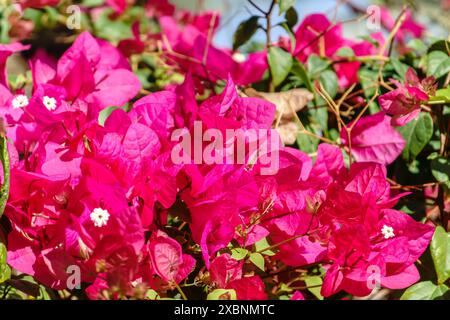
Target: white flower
[[238, 57], [20, 101], [100, 217], [388, 232], [49, 103]]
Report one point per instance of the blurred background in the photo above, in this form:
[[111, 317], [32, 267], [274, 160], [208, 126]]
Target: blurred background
[[435, 14]]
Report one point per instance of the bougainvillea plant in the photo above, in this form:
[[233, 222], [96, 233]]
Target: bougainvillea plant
[[120, 178]]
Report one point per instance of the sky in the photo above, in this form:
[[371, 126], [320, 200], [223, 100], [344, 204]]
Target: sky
[[234, 12]]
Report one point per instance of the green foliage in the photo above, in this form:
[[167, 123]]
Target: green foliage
[[440, 168], [425, 290], [285, 5], [280, 63], [5, 271], [440, 251], [258, 260], [438, 64], [416, 133], [222, 294], [245, 31], [4, 159]]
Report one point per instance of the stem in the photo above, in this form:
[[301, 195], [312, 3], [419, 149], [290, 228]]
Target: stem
[[180, 291], [443, 139], [268, 15]]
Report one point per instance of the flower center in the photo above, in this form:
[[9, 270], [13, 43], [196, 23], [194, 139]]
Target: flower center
[[49, 103], [20, 101], [388, 232], [100, 217]]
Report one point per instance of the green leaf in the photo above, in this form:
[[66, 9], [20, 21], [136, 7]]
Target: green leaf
[[440, 168], [290, 34], [315, 282], [261, 245], [442, 95], [425, 290], [307, 143], [345, 52], [440, 45], [280, 63], [239, 253], [285, 5], [399, 67], [284, 288], [299, 70], [112, 30], [258, 260], [151, 294], [222, 294], [4, 158], [369, 81], [417, 45], [316, 65], [245, 31], [291, 17], [92, 3], [4, 30], [416, 133], [440, 252], [438, 64], [329, 81], [5, 271], [104, 114]]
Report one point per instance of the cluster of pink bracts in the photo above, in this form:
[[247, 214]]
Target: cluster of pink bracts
[[99, 197]]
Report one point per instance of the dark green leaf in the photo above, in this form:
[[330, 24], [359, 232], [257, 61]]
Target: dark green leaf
[[416, 133], [285, 5], [291, 17], [440, 45], [440, 167], [245, 31]]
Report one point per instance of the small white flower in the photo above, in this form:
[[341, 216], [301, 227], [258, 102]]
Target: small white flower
[[238, 57], [388, 232], [49, 103], [100, 217], [20, 101]]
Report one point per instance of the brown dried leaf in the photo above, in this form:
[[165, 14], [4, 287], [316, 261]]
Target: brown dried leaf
[[288, 132], [286, 102]]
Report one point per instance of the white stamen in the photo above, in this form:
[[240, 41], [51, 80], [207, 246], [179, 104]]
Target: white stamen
[[100, 217], [388, 232], [49, 103], [20, 101]]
